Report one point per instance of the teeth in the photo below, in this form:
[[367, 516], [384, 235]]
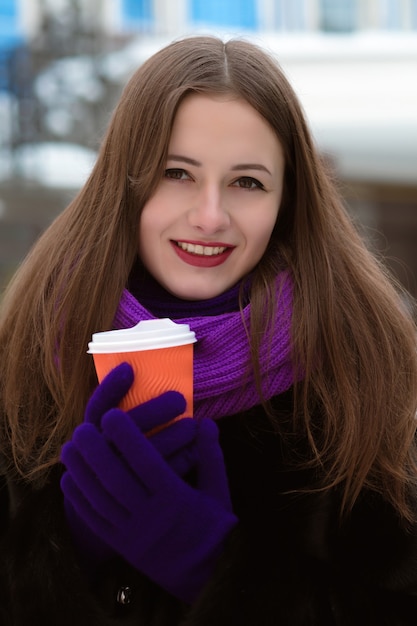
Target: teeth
[[201, 250]]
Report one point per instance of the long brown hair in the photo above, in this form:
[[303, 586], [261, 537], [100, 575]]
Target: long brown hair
[[352, 335]]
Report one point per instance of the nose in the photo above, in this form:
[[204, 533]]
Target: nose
[[208, 213]]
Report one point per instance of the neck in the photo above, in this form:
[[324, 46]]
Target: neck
[[162, 303]]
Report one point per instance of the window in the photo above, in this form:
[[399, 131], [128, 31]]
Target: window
[[10, 39], [291, 15], [9, 27], [226, 13], [138, 13], [398, 14], [338, 16]]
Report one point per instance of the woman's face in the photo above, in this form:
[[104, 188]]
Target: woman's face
[[211, 217]]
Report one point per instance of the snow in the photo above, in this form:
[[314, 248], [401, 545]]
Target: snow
[[59, 165], [68, 80]]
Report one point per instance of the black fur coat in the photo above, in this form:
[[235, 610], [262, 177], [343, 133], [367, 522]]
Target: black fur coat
[[288, 562]]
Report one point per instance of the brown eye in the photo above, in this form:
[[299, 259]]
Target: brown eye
[[176, 174], [247, 182]]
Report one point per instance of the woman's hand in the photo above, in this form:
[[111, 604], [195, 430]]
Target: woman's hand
[[174, 442], [129, 490]]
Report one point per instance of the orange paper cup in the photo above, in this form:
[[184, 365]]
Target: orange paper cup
[[156, 371], [160, 353]]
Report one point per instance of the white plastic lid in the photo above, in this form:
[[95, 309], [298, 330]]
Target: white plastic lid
[[147, 335]]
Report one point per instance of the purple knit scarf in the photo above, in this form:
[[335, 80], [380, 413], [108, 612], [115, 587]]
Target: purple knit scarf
[[223, 381]]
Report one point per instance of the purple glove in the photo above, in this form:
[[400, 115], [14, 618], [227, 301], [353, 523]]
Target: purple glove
[[133, 499], [174, 443]]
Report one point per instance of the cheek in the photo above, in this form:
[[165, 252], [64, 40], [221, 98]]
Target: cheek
[[259, 229], [158, 214], [146, 236], [142, 233], [150, 222]]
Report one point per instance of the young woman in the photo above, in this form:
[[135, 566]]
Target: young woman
[[290, 496]]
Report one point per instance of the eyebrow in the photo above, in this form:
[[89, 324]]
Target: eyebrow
[[235, 168], [251, 166]]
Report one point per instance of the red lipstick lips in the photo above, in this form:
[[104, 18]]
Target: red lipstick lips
[[198, 258]]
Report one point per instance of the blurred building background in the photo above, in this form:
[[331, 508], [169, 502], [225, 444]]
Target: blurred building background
[[353, 64]]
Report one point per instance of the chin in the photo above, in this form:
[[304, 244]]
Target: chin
[[198, 293]]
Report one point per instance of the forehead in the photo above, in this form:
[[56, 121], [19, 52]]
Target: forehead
[[221, 122], [219, 109]]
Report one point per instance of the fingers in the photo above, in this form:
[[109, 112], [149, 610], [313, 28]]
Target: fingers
[[101, 474], [109, 393], [138, 452], [83, 508], [174, 437], [158, 411], [176, 443]]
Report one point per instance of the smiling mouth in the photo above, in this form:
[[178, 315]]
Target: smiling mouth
[[200, 250]]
